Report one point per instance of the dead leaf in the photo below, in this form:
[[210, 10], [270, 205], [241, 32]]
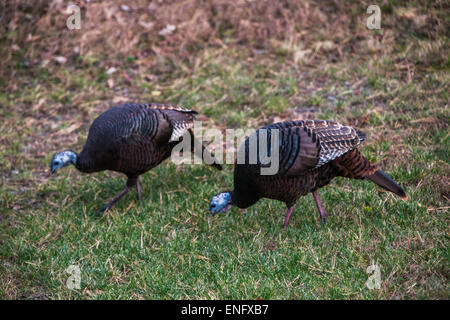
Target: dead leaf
[[120, 99], [60, 59], [70, 129], [110, 83], [111, 70], [170, 28]]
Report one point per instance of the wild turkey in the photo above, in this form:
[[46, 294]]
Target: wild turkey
[[311, 154], [132, 139]]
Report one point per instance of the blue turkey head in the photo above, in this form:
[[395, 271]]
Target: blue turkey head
[[221, 202], [62, 159]]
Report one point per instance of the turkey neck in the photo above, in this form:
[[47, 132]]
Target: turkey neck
[[85, 163], [243, 199]]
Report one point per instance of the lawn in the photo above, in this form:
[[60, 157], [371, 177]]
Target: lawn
[[240, 64]]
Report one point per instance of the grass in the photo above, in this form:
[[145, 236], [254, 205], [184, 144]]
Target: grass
[[394, 88], [167, 247]]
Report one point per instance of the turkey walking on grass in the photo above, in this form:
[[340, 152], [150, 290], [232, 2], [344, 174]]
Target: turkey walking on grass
[[132, 139], [311, 154]]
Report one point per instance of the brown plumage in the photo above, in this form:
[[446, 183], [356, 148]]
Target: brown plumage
[[311, 154], [131, 139]]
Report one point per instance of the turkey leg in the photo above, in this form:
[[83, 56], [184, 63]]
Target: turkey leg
[[288, 216], [322, 212], [138, 188], [115, 199], [131, 182]]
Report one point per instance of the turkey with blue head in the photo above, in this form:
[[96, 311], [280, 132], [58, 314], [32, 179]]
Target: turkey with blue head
[[310, 154], [132, 139]]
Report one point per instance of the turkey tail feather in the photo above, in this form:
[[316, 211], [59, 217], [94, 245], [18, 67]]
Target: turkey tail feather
[[384, 181]]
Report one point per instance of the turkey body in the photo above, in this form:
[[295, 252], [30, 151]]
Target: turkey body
[[133, 139], [311, 154], [280, 187]]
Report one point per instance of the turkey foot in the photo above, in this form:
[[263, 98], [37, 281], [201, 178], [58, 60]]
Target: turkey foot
[[114, 200]]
